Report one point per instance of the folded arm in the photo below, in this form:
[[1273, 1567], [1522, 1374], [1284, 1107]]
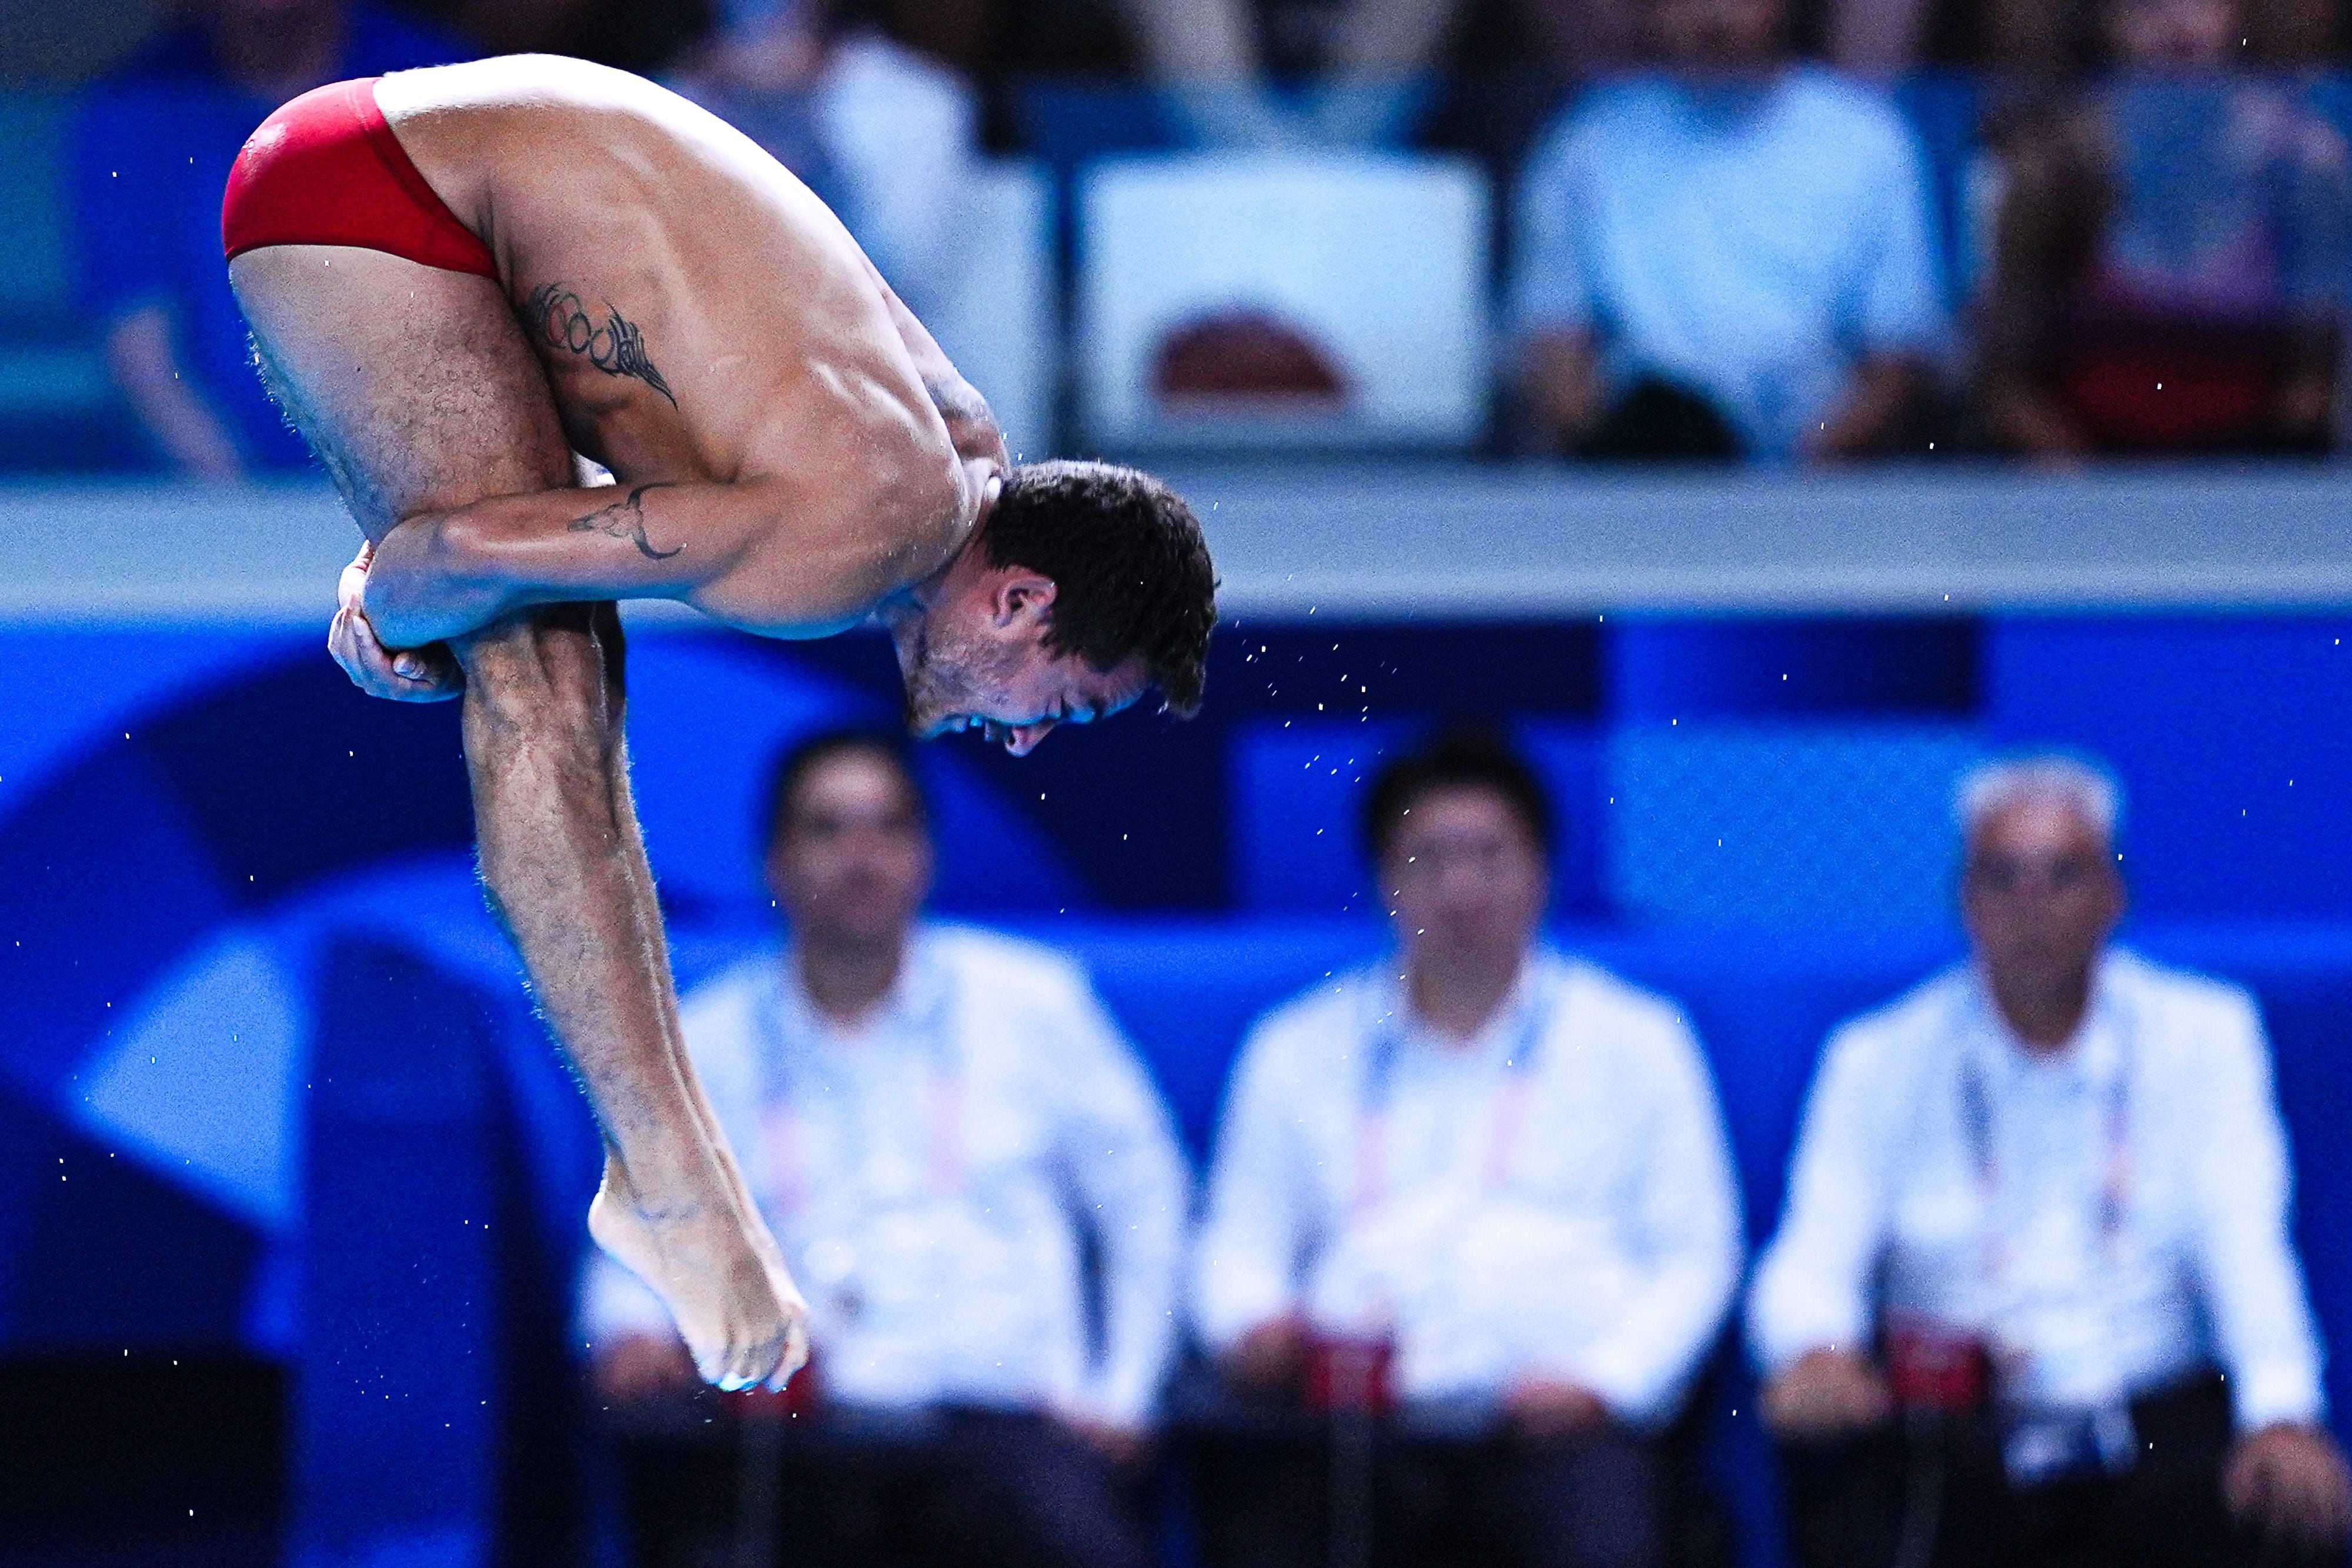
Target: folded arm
[[440, 575]]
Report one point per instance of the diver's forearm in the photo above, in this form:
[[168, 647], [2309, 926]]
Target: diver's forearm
[[425, 586], [441, 575]]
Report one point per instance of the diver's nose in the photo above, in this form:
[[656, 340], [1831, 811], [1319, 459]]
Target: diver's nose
[[1022, 739]]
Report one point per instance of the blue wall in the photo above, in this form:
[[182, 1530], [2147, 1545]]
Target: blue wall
[[210, 847], [163, 791]]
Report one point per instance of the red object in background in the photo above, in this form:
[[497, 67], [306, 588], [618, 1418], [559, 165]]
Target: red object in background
[[1932, 1367], [1244, 355], [1354, 1377], [2142, 378]]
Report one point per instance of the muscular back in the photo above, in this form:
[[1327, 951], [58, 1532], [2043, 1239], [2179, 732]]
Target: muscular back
[[702, 317]]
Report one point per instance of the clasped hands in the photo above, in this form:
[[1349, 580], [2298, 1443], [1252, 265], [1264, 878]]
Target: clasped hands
[[427, 675]]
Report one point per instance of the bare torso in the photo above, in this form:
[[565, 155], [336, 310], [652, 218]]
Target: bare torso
[[701, 316]]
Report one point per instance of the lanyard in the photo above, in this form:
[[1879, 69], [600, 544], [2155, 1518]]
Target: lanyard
[[1384, 1038], [1977, 1123], [787, 1168]]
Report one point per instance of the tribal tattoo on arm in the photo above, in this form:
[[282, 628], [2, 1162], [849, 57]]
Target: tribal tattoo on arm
[[617, 346], [625, 519]]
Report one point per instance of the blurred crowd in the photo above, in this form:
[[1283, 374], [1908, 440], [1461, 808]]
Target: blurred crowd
[[1458, 1284], [1810, 230]]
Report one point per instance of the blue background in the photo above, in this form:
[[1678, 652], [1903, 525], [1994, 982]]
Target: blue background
[[270, 1088]]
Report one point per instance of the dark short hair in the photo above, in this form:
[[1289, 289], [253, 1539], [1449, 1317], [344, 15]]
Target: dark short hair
[[796, 762], [1130, 571], [1462, 759]]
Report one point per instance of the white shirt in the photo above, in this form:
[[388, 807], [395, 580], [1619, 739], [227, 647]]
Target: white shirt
[[1750, 246], [928, 1178], [2108, 1219], [1590, 1231]]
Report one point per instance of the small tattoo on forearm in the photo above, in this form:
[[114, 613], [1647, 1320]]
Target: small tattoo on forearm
[[625, 519], [616, 347]]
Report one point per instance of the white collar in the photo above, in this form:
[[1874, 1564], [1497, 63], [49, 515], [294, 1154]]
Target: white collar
[[916, 993], [1392, 1009], [2093, 1055]]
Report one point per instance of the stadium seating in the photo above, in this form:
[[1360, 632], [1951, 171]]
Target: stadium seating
[[1282, 301], [58, 412]]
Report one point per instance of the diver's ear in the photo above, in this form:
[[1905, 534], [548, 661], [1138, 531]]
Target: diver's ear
[[1019, 593]]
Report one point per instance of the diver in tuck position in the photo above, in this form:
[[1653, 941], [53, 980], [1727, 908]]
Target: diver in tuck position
[[459, 278]]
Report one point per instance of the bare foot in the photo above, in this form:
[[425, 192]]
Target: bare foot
[[755, 1226], [772, 1259], [722, 1279]]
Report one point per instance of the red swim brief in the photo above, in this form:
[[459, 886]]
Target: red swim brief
[[326, 170]]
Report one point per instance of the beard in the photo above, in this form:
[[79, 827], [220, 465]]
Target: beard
[[949, 674]]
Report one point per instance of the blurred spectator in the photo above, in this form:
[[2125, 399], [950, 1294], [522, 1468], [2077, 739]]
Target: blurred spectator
[[2045, 39], [1729, 257], [152, 145], [1363, 66], [937, 1124], [2036, 1204], [2031, 39], [2168, 256], [1482, 1181], [886, 133], [1584, 38]]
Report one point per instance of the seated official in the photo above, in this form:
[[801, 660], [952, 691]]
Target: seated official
[[2038, 1213], [937, 1124], [1478, 1184]]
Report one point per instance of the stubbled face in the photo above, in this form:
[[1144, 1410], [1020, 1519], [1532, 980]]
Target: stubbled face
[[968, 669], [2173, 35], [854, 861], [2039, 893], [1463, 874], [1717, 37]]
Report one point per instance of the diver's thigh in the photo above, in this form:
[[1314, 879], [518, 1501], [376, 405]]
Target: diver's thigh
[[414, 385]]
